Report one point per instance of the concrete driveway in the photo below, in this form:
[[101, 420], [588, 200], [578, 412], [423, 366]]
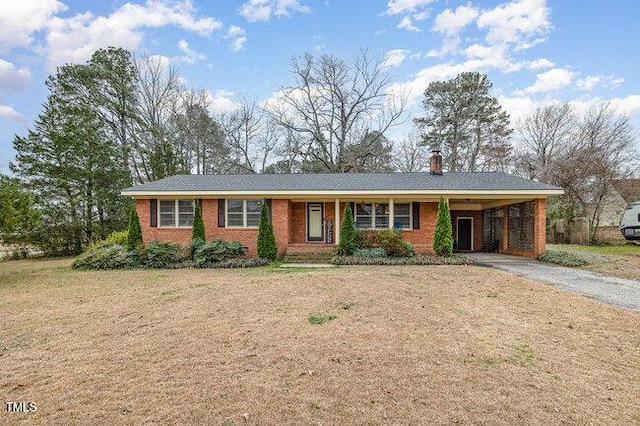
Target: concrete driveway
[[616, 291]]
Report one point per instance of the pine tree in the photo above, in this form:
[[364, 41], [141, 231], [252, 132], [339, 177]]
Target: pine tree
[[443, 238], [266, 239], [134, 239], [198, 225], [348, 236]]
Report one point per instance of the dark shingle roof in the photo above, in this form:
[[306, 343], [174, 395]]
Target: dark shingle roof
[[480, 181]]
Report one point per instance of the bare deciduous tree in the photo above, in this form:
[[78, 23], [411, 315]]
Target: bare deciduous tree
[[582, 154], [411, 155], [333, 105], [251, 137]]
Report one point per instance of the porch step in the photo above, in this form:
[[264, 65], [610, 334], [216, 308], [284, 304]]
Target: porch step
[[309, 253]]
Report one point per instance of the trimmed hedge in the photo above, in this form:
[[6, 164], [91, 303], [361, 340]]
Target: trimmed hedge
[[167, 255], [417, 260], [160, 254], [375, 252], [216, 251], [106, 256], [563, 258], [253, 262]]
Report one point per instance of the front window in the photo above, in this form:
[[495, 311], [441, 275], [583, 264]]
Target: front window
[[176, 213], [243, 213], [376, 215], [402, 216]]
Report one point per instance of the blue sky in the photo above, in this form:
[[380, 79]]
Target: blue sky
[[534, 51]]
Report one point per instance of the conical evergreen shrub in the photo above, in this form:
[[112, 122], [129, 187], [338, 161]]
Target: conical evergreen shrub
[[266, 239], [348, 235], [443, 238], [197, 232], [134, 237]]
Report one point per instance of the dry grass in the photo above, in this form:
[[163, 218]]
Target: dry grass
[[622, 261], [410, 345]]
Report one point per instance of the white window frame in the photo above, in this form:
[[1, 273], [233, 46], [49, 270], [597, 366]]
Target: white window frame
[[176, 213], [244, 213], [395, 206], [391, 219]]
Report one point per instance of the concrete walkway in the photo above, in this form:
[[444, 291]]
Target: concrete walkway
[[616, 291]]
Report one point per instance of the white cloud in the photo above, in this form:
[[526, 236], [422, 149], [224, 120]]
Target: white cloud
[[415, 87], [10, 114], [12, 78], [261, 10], [494, 56], [395, 57], [406, 24], [19, 20], [410, 10], [76, 38], [554, 79], [590, 82], [449, 23], [222, 101], [397, 7], [628, 105], [540, 63], [519, 22], [238, 38], [190, 55]]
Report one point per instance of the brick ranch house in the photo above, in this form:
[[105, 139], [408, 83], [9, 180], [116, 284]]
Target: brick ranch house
[[492, 211]]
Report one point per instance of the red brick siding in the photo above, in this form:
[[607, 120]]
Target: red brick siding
[[297, 229], [422, 238]]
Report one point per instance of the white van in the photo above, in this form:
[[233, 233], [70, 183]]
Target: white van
[[630, 222]]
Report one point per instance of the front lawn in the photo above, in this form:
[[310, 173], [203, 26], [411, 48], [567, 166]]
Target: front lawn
[[348, 345]]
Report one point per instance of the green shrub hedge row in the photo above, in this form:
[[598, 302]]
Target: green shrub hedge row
[[416, 260], [166, 255], [563, 258]]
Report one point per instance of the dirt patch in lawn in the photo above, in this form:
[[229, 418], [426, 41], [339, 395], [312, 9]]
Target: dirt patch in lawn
[[406, 345]]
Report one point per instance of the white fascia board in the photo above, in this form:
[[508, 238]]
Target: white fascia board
[[347, 194]]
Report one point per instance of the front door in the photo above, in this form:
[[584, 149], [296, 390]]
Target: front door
[[315, 222], [465, 234]]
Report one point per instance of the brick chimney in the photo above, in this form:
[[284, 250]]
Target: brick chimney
[[435, 164]]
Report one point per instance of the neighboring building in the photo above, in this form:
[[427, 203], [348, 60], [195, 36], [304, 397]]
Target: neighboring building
[[489, 211], [624, 191]]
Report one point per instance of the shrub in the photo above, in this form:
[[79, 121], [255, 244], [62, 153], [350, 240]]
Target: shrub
[[197, 228], [135, 231], [253, 262], [117, 237], [161, 254], [443, 238], [563, 258], [194, 245], [348, 234], [266, 239], [417, 260], [105, 256], [374, 252], [391, 240], [368, 238], [215, 251]]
